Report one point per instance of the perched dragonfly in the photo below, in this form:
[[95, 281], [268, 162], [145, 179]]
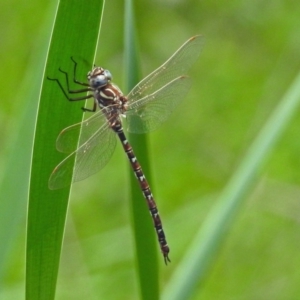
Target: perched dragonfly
[[148, 105]]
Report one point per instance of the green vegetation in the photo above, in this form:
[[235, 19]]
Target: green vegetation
[[249, 62]]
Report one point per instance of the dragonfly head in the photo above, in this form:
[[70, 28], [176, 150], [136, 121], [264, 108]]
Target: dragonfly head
[[99, 77]]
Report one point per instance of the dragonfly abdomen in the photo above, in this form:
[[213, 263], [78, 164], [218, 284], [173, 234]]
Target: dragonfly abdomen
[[146, 192]]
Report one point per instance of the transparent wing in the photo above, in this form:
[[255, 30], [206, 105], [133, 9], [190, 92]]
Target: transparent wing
[[90, 157], [178, 64], [67, 140], [151, 111]]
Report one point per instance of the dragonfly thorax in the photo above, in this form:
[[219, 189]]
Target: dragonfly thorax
[[111, 95], [99, 77]]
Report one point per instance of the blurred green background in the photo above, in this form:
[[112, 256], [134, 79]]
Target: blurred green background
[[250, 58]]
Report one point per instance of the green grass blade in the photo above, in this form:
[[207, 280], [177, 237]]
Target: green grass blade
[[75, 33], [17, 163], [194, 266], [145, 241]]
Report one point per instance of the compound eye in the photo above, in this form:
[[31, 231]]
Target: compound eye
[[108, 75], [99, 81]]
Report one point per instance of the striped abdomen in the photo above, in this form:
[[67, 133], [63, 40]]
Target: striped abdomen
[[146, 191]]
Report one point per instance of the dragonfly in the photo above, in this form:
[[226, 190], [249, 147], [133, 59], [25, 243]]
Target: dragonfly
[[145, 108]]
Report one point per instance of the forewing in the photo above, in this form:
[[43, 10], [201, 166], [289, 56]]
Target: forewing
[[150, 112], [67, 140], [178, 64], [90, 157]]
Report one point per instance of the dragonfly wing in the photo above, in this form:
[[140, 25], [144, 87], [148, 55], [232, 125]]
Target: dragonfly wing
[[67, 140], [150, 112], [178, 64], [90, 157]]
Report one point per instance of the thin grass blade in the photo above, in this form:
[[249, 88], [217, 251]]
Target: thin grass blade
[[202, 252], [145, 242]]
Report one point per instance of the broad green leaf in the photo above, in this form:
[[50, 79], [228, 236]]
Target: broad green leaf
[[75, 33]]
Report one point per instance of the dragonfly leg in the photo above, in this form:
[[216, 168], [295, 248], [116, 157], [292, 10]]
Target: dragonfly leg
[[90, 110], [74, 74], [65, 92], [71, 92]]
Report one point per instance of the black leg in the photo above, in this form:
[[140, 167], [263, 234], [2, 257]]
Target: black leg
[[90, 110], [72, 92], [87, 89], [74, 75]]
